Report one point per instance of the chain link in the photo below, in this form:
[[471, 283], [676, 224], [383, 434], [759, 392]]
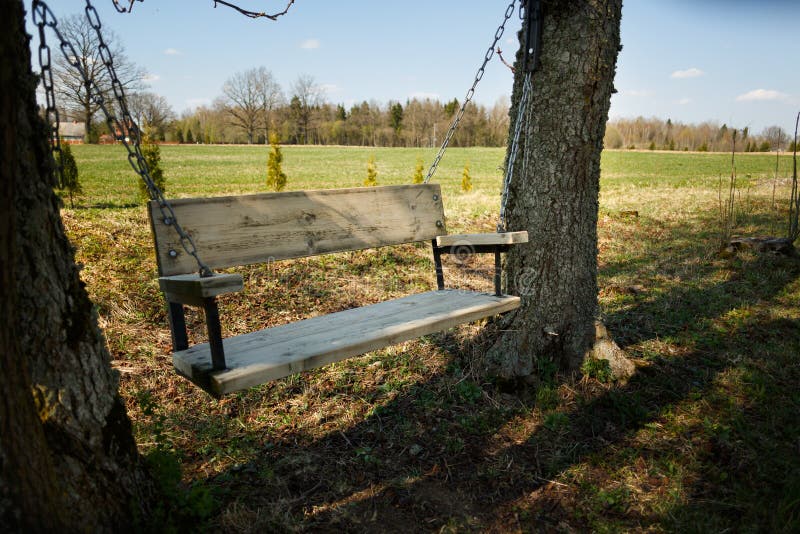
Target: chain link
[[125, 125], [478, 76], [51, 110], [522, 112]]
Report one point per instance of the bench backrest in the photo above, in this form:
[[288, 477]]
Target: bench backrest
[[240, 230]]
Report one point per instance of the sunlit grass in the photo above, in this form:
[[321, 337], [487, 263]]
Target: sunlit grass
[[703, 438]]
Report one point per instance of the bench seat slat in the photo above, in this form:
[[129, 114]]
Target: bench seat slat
[[277, 352]]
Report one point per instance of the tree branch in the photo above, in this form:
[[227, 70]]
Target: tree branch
[[254, 14], [121, 9]]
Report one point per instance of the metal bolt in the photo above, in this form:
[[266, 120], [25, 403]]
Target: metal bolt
[[435, 198], [173, 253], [439, 224], [167, 221]]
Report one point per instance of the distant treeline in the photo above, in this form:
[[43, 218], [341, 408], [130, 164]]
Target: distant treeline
[[423, 123], [657, 134], [415, 123], [253, 105]]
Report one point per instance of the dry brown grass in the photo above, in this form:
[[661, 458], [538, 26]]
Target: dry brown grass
[[416, 438]]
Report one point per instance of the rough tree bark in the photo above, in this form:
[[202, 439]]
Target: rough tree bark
[[67, 455], [556, 197]]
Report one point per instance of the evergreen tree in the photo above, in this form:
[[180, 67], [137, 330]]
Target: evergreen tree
[[396, 117], [419, 172], [179, 136], [451, 107], [152, 156], [189, 136], [466, 179], [69, 170], [276, 178], [372, 173], [652, 146]]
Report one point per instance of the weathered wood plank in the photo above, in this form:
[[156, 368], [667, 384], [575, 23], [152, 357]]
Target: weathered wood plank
[[241, 230], [276, 352], [192, 288], [468, 240]]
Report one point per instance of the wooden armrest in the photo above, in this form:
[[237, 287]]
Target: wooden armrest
[[473, 240], [192, 288]]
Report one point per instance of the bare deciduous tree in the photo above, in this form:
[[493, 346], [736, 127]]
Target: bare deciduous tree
[[70, 87], [152, 112], [250, 100], [776, 137], [242, 101], [270, 97], [306, 95]]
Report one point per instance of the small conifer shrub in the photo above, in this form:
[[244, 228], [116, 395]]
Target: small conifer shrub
[[69, 169], [466, 179], [152, 156], [276, 178], [372, 173], [419, 172]]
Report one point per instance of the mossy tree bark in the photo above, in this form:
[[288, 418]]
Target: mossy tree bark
[[555, 196], [67, 455]]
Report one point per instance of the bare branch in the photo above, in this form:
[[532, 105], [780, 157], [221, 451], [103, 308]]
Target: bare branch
[[247, 13], [121, 9], [254, 14], [500, 55]]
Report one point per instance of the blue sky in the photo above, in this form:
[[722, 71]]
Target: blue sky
[[731, 61]]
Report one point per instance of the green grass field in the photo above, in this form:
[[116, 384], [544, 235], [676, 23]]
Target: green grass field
[[704, 437]]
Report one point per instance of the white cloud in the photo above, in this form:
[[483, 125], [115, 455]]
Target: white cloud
[[688, 73], [761, 94], [422, 95], [172, 52], [310, 44], [150, 78], [684, 101]]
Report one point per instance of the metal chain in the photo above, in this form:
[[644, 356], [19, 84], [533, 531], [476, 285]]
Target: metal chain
[[124, 125], [51, 111], [522, 109], [478, 76]]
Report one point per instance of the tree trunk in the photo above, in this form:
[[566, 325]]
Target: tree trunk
[[67, 455], [555, 195], [87, 117]]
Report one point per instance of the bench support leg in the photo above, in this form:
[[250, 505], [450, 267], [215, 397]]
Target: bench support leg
[[177, 326], [498, 274], [437, 259], [214, 333]]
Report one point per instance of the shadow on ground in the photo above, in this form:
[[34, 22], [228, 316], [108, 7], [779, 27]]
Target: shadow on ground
[[704, 437]]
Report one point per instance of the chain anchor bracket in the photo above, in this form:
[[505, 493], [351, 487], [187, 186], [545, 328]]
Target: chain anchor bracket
[[533, 35]]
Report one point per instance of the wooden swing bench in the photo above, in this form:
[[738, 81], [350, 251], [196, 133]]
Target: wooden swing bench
[[242, 230]]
